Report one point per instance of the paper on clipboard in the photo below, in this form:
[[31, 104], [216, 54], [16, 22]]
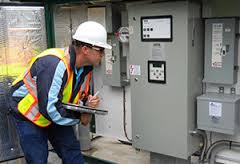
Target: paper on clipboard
[[84, 109]]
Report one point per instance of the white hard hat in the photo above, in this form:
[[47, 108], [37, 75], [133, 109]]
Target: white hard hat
[[92, 33]]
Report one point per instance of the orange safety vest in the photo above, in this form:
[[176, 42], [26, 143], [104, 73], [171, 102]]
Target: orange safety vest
[[28, 106]]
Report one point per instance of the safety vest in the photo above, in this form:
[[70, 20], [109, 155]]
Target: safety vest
[[28, 106]]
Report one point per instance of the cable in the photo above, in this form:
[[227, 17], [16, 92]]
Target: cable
[[217, 143], [204, 139], [96, 137], [210, 138], [124, 115]]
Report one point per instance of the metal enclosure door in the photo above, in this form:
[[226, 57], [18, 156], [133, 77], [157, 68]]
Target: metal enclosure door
[[22, 35], [221, 31], [163, 114]]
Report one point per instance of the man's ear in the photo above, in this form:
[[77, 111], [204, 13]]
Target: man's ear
[[84, 50]]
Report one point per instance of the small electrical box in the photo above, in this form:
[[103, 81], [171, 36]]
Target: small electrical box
[[157, 72], [218, 112], [221, 50], [114, 65]]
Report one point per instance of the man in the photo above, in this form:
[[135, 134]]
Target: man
[[54, 77]]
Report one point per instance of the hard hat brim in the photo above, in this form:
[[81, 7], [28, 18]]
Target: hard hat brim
[[98, 44], [107, 46]]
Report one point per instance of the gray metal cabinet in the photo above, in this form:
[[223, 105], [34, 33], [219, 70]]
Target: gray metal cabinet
[[163, 113]]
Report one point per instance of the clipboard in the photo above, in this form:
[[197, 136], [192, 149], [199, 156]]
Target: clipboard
[[84, 109]]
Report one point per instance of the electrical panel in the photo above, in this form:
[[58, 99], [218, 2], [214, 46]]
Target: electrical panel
[[218, 113], [221, 49], [114, 64], [164, 67]]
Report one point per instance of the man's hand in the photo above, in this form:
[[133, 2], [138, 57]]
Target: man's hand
[[93, 101]]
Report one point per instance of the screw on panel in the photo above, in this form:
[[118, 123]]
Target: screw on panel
[[137, 136], [221, 89], [233, 90]]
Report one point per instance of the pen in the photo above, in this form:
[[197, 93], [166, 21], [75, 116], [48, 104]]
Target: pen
[[95, 94]]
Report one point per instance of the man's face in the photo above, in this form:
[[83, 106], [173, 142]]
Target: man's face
[[95, 55]]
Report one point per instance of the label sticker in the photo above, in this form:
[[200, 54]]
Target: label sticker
[[217, 37], [215, 109], [158, 51], [135, 70]]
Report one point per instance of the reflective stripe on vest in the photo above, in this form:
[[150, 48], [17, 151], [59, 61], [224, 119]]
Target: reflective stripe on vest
[[84, 88], [67, 93], [28, 106]]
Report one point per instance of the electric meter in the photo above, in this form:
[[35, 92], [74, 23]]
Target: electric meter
[[123, 34]]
